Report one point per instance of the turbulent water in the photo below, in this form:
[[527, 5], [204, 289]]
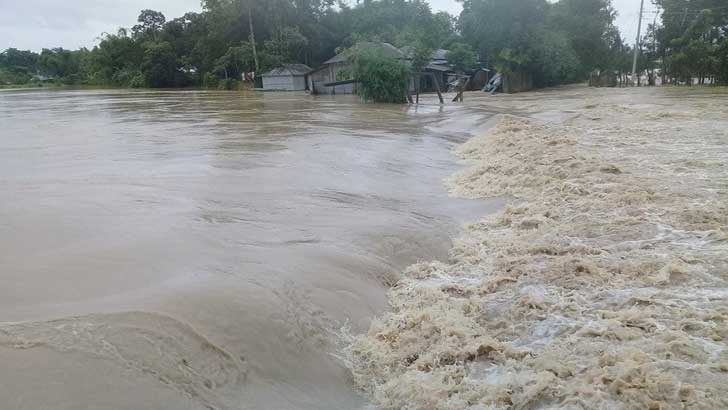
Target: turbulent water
[[603, 285], [174, 250]]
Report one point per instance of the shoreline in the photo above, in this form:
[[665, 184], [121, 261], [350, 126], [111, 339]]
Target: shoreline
[[605, 286]]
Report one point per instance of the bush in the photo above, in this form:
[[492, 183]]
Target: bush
[[210, 80], [228, 84], [380, 78], [128, 78]]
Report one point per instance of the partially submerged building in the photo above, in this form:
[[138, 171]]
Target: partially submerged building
[[288, 77], [334, 74]]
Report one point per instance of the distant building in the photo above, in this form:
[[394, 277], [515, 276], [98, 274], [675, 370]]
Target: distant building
[[40, 78], [288, 77]]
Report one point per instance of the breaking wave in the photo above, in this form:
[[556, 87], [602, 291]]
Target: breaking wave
[[602, 285]]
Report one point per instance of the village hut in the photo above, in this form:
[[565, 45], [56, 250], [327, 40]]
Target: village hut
[[288, 77]]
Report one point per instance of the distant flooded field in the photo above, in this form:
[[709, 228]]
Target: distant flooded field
[[173, 250]]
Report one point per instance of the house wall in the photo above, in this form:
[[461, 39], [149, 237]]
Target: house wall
[[478, 80], [317, 79], [284, 83], [517, 82], [325, 75], [342, 89], [299, 82]]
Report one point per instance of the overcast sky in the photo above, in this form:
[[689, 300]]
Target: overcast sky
[[37, 24]]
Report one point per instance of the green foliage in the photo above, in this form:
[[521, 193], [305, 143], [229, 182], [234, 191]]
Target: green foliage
[[585, 26], [210, 81], [421, 56], [236, 61], [722, 62], [396, 21], [381, 79], [150, 24], [558, 61], [286, 46], [462, 58], [555, 42], [159, 65], [17, 67], [691, 41], [345, 73]]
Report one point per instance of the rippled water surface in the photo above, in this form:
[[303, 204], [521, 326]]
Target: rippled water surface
[[175, 250]]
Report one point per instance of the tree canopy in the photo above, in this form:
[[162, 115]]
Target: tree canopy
[[556, 42], [692, 41]]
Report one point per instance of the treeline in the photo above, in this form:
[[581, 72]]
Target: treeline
[[554, 42], [691, 44]]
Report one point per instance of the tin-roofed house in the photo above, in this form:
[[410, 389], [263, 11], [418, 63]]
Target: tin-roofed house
[[288, 77]]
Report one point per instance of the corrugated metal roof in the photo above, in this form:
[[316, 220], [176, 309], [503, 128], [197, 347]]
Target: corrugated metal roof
[[438, 67], [387, 49], [440, 54], [437, 55], [289, 69]]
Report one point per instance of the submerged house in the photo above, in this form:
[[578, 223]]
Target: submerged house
[[288, 77], [335, 76], [440, 68], [327, 78]]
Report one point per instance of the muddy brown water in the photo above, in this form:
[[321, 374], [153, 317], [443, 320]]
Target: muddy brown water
[[188, 249]]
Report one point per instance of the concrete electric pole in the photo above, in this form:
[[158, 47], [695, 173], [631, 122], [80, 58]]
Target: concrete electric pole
[[637, 44]]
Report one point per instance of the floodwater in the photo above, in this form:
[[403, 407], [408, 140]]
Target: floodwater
[[187, 249]]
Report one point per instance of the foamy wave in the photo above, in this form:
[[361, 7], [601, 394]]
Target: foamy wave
[[603, 287]]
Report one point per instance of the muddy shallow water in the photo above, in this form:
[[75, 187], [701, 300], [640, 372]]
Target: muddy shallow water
[[174, 250]]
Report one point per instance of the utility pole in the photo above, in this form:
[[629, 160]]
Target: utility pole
[[252, 37], [636, 44]]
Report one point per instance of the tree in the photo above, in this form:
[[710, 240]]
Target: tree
[[286, 46], [150, 24], [421, 57], [558, 61], [462, 58], [586, 26], [538, 37], [64, 65], [722, 62], [381, 79], [236, 61], [115, 61], [159, 65], [690, 38], [504, 29]]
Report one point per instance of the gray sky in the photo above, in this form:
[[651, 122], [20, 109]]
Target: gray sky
[[37, 24]]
